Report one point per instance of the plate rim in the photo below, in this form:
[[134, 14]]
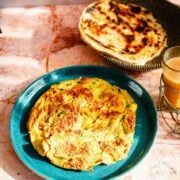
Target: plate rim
[[150, 143]]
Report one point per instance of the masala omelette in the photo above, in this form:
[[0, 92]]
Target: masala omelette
[[80, 123], [127, 32]]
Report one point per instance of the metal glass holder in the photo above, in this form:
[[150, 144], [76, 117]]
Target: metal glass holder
[[165, 106]]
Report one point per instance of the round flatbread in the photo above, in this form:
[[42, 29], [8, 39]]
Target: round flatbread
[[127, 32], [81, 123]]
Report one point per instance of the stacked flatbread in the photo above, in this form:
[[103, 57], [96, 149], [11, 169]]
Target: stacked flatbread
[[127, 32]]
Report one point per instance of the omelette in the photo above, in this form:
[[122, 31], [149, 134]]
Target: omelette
[[80, 123], [126, 32]]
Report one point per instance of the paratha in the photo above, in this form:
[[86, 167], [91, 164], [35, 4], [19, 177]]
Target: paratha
[[127, 32], [80, 123]]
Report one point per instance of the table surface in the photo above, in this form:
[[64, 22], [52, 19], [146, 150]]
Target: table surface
[[37, 40]]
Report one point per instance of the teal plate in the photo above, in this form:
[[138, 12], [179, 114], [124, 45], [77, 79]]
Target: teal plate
[[145, 133]]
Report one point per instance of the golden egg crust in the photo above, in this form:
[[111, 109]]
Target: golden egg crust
[[80, 123]]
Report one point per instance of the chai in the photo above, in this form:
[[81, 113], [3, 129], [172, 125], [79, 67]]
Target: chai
[[171, 78]]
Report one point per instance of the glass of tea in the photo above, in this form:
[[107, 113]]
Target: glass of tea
[[171, 76]]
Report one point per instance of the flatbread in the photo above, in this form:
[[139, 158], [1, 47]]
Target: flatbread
[[127, 32]]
